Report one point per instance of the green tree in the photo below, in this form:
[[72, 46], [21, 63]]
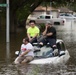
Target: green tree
[[20, 9]]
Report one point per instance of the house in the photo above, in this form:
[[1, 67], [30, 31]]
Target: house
[[65, 10], [45, 10], [50, 10]]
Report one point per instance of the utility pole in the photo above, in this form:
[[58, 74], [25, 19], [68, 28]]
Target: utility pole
[[7, 33], [7, 22], [7, 19], [7, 27]]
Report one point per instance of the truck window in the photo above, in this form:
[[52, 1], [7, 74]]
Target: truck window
[[61, 46], [41, 17], [47, 17]]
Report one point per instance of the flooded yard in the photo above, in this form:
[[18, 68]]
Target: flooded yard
[[7, 54]]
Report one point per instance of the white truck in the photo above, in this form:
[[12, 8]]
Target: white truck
[[43, 18]]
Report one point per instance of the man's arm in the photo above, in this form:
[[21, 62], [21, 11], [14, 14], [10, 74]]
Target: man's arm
[[49, 34], [28, 35], [44, 33]]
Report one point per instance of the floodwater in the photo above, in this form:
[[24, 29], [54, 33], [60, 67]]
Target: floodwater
[[7, 56]]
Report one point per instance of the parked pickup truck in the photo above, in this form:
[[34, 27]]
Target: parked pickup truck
[[44, 18]]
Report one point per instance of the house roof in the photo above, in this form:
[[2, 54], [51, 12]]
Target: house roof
[[64, 9], [41, 8], [61, 9]]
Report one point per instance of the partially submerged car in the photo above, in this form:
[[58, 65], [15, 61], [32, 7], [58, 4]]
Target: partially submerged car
[[45, 56], [67, 16]]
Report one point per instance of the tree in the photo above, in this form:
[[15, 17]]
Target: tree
[[20, 9]]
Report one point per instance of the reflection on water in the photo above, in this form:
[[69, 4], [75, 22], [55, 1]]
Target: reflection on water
[[8, 52], [7, 56]]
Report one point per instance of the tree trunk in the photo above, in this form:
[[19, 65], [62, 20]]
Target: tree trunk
[[13, 22]]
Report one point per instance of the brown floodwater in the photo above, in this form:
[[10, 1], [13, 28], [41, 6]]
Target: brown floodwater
[[66, 32]]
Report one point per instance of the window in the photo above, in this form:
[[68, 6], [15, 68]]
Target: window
[[61, 46], [44, 52], [41, 17], [62, 15], [47, 17]]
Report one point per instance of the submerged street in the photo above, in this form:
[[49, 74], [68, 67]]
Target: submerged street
[[65, 32]]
